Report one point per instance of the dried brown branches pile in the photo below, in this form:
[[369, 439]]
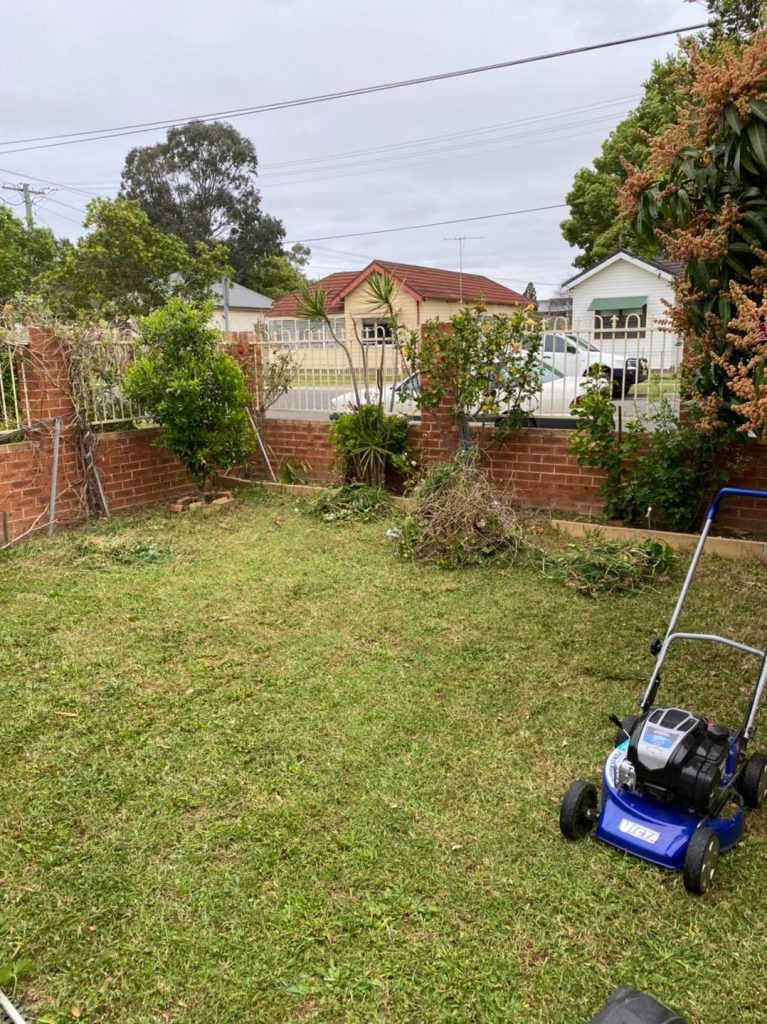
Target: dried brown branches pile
[[461, 519]]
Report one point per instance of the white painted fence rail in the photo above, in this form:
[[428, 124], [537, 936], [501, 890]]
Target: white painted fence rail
[[14, 396], [639, 360]]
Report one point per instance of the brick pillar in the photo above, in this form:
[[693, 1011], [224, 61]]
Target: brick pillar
[[437, 436], [26, 467], [47, 377]]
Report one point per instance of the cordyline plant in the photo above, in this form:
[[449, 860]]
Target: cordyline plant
[[702, 194], [366, 378], [369, 438], [485, 365]]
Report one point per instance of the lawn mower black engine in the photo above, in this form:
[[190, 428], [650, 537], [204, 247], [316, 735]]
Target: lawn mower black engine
[[674, 755]]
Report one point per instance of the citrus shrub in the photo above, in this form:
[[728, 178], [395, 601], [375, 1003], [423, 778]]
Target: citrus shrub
[[192, 390]]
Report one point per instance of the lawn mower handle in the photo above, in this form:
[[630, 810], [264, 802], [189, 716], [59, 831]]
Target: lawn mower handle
[[649, 695], [742, 492]]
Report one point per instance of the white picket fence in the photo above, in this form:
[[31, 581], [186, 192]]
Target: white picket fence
[[640, 361]]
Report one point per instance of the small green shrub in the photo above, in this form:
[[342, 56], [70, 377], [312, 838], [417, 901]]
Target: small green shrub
[[369, 442], [460, 519], [607, 567], [659, 472], [673, 478], [192, 390], [352, 501]]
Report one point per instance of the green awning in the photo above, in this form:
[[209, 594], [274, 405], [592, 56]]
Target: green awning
[[622, 302]]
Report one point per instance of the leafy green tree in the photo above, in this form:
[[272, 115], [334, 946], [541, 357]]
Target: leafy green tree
[[596, 225], [200, 185], [192, 390], [25, 254], [125, 267], [276, 276], [735, 19], [483, 365], [530, 292]]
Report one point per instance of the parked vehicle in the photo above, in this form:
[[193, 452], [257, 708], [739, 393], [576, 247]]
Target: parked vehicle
[[574, 356], [559, 392]]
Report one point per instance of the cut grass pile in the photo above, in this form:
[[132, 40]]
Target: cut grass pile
[[601, 566], [283, 776], [350, 501]]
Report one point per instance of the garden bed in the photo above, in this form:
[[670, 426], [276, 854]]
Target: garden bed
[[725, 547]]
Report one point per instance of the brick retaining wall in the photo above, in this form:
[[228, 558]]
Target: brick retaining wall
[[535, 463]]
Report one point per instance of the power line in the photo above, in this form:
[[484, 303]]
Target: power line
[[393, 166], [431, 224], [290, 175], [425, 140], [47, 181], [58, 202], [283, 167], [93, 135]]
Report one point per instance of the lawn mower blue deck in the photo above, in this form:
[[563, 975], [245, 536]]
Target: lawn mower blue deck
[[674, 788], [653, 830]]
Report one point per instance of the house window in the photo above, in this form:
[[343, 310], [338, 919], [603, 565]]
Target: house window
[[376, 332], [305, 333], [611, 323]]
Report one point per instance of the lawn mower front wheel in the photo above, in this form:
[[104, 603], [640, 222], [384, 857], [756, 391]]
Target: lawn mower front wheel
[[578, 811], [701, 861]]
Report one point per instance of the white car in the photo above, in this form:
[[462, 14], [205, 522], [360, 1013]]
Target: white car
[[559, 391], [574, 357]]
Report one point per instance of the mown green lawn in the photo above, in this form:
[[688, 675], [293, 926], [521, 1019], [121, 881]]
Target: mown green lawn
[[281, 776]]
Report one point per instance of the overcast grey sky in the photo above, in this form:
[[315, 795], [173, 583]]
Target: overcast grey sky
[[83, 64]]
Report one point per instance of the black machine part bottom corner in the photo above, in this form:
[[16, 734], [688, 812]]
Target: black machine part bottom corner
[[629, 1006]]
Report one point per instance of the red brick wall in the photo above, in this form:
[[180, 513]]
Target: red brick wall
[[26, 466], [747, 514], [134, 471], [303, 441], [537, 465], [534, 463]]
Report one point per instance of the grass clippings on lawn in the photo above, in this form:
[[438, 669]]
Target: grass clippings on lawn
[[283, 776]]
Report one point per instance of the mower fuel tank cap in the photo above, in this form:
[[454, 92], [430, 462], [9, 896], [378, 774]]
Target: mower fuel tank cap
[[628, 1006]]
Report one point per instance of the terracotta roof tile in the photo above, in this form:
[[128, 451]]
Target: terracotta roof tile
[[425, 282], [334, 284], [431, 283]]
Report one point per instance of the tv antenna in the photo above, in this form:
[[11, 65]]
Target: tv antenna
[[461, 239]]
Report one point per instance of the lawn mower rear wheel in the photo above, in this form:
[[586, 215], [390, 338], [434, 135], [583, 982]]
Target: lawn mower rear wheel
[[701, 861], [753, 784]]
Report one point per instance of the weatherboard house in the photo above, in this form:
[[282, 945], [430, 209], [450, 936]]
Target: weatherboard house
[[422, 293], [624, 300], [237, 308]]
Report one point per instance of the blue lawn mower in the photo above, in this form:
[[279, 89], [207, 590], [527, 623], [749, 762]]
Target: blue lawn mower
[[675, 786]]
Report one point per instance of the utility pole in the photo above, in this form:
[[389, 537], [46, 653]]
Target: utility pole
[[225, 301], [27, 192], [461, 239]]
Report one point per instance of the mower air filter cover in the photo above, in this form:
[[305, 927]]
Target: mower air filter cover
[[628, 1006]]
